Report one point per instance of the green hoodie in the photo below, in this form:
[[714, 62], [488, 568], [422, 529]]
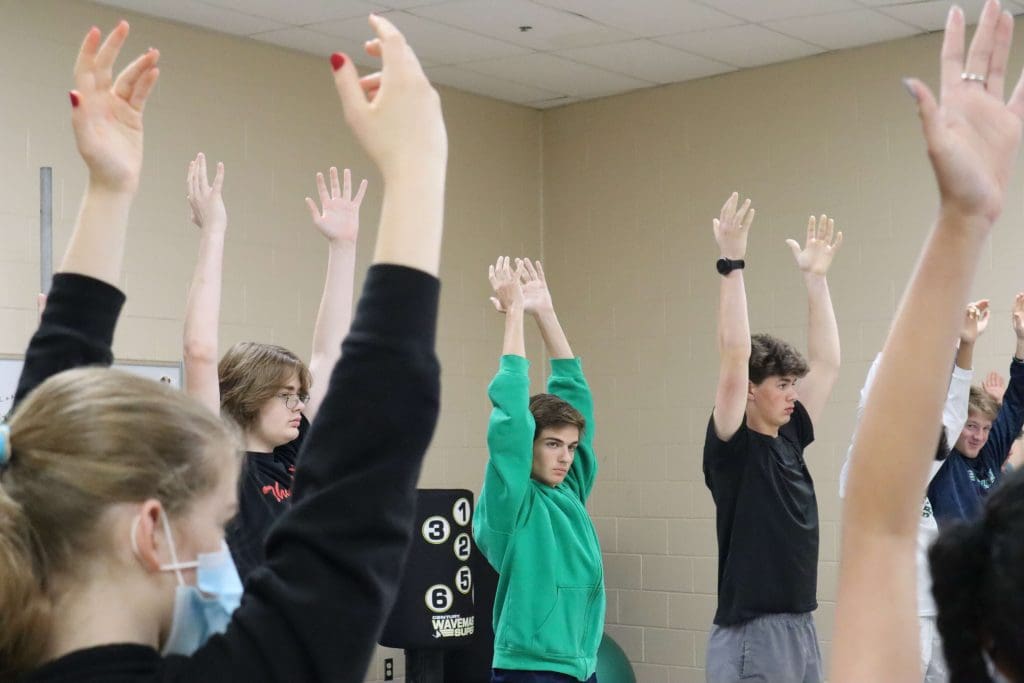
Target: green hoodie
[[549, 607]]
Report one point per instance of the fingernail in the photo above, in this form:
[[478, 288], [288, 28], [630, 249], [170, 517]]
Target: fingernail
[[337, 60], [910, 89], [74, 98]]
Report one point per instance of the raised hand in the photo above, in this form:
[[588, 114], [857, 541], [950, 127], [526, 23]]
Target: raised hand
[[205, 201], [732, 227], [972, 135], [395, 113], [338, 219], [506, 283], [536, 296], [1018, 316], [106, 114], [976, 317], [994, 385], [821, 246]]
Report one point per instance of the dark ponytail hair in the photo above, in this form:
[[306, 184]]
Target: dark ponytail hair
[[978, 584]]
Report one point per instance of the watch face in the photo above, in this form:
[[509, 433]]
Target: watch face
[[724, 266]]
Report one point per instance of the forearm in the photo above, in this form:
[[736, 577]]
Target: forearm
[[412, 217], [915, 362], [514, 343], [822, 329], [1019, 351], [202, 321], [733, 322], [333, 319], [97, 243], [965, 355], [555, 340]]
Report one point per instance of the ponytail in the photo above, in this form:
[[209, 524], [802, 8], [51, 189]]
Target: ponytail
[[25, 609]]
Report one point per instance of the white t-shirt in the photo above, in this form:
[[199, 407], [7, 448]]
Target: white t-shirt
[[954, 417]]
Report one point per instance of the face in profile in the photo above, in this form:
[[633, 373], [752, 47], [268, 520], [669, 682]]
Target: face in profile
[[553, 452], [279, 418], [774, 399]]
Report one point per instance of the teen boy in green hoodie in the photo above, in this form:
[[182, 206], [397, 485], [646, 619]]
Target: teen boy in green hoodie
[[531, 522]]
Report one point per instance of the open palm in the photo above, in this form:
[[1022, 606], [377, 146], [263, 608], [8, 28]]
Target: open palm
[[107, 114]]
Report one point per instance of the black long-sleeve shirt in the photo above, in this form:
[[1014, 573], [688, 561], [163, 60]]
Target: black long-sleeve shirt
[[314, 610]]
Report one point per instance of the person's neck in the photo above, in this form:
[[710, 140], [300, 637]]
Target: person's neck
[[756, 423], [254, 443], [100, 613]]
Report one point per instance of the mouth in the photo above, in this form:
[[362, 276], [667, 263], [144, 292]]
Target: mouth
[[560, 472], [295, 423]]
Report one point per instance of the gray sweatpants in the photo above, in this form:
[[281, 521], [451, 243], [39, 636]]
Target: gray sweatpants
[[778, 648]]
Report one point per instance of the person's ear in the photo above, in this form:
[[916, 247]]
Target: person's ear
[[148, 535]]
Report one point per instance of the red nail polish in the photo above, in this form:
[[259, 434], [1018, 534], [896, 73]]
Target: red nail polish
[[74, 99], [337, 60]]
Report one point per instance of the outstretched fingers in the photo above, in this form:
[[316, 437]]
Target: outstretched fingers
[[1000, 55], [952, 55]]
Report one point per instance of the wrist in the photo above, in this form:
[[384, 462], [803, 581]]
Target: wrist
[[952, 215], [122, 191], [342, 246]]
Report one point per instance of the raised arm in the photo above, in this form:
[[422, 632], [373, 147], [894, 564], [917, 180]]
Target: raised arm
[[202, 310], [508, 299], [77, 325], [823, 355], [537, 302], [338, 221], [954, 411], [731, 229], [334, 559], [1008, 423], [972, 140]]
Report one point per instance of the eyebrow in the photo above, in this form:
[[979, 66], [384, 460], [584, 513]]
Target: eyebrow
[[555, 438]]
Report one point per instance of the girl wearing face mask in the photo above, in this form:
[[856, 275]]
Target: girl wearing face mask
[[266, 389], [115, 490]]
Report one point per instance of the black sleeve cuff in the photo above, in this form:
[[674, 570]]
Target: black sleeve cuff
[[84, 303], [400, 304]]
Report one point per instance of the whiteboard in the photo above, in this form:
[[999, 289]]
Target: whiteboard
[[169, 372]]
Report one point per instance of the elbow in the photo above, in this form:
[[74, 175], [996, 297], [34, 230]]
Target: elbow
[[199, 350]]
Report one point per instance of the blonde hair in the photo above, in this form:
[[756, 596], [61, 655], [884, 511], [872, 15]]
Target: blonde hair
[[84, 440], [980, 401], [251, 374]]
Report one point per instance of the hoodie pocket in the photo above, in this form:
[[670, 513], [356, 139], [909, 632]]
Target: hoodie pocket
[[566, 629]]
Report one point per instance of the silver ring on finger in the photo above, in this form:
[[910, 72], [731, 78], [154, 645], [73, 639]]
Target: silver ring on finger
[[973, 77]]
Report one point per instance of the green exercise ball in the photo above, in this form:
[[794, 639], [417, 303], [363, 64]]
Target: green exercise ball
[[612, 663]]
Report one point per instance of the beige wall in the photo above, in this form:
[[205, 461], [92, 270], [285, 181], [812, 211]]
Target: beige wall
[[631, 185], [622, 190], [273, 117]]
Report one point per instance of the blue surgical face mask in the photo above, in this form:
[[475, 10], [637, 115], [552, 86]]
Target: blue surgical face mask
[[202, 610]]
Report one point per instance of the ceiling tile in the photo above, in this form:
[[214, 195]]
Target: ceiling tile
[[310, 41], [474, 82], [646, 60], [557, 74], [433, 42], [299, 13], [645, 18], [743, 46], [931, 16], [199, 14], [769, 10], [551, 29], [844, 29]]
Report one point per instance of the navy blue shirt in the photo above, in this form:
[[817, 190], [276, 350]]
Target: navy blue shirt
[[961, 484]]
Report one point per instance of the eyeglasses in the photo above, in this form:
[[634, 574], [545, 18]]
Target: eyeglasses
[[291, 401]]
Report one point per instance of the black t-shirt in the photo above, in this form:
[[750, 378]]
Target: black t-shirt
[[264, 493], [767, 520]]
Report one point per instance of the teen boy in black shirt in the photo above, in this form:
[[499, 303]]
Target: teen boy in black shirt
[[766, 510]]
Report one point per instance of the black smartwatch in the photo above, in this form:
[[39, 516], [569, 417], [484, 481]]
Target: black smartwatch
[[727, 265]]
